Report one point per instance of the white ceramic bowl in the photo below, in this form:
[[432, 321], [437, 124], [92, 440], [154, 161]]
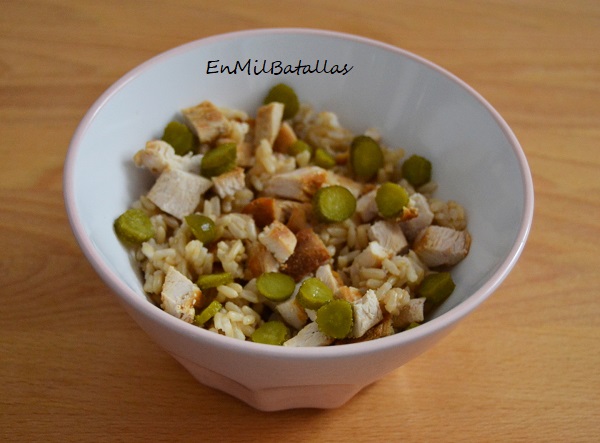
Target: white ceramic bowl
[[414, 103]]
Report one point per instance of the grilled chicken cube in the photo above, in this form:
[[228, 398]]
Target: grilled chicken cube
[[424, 218], [349, 293], [300, 184], [264, 211], [366, 206], [309, 335], [411, 313], [279, 240], [178, 192], [441, 246], [260, 260], [228, 183], [389, 235], [285, 138], [268, 122], [310, 253], [158, 156], [367, 313], [328, 276], [179, 295], [292, 312], [207, 121]]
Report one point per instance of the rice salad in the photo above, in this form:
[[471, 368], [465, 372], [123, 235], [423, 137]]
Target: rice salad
[[285, 228]]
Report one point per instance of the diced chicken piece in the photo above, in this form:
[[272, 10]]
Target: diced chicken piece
[[389, 235], [366, 206], [158, 156], [289, 207], [328, 276], [300, 184], [310, 253], [279, 240], [179, 295], [244, 154], [178, 192], [353, 186], [423, 219], [264, 211], [228, 183], [292, 312], [367, 313], [285, 138], [309, 335], [440, 246], [370, 257], [268, 122], [207, 121], [260, 260], [382, 329], [349, 293], [298, 218], [413, 312]]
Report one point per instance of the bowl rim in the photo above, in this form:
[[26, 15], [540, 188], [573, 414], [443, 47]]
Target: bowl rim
[[150, 312]]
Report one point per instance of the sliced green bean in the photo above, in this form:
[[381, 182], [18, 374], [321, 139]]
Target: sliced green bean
[[366, 157], [313, 294], [219, 160], [134, 226], [391, 198], [180, 137], [283, 93], [202, 227], [324, 159], [336, 318], [275, 286], [207, 313], [272, 332], [436, 288], [417, 170], [334, 203], [207, 281]]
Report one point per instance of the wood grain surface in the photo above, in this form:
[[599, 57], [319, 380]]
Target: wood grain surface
[[524, 367]]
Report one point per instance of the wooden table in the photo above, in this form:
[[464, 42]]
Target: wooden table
[[524, 367]]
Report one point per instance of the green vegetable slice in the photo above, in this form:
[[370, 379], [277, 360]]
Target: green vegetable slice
[[207, 281], [313, 294], [334, 203], [417, 170], [202, 227], [134, 226], [391, 198], [275, 286], [207, 313], [219, 160], [271, 333], [324, 159], [283, 93], [335, 319], [180, 137], [366, 157], [436, 288], [299, 146]]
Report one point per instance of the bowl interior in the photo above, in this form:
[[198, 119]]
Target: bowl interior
[[415, 105]]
